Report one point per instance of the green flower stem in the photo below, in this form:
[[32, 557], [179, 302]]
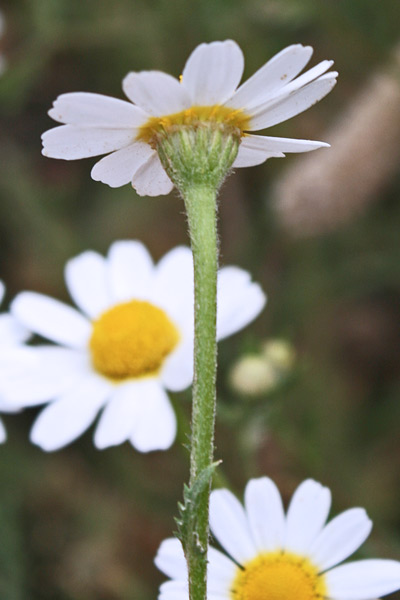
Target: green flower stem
[[201, 209], [197, 158]]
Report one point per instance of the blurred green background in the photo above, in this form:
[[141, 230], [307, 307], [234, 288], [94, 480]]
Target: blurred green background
[[321, 234]]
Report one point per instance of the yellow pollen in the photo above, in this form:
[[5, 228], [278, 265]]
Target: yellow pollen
[[193, 117], [131, 340], [278, 576]]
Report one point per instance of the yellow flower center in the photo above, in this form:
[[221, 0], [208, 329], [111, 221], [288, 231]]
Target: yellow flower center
[[131, 340], [278, 576], [193, 117]]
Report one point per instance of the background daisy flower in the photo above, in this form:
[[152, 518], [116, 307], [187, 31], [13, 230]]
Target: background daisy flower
[[129, 342], [12, 334], [207, 92], [282, 556]]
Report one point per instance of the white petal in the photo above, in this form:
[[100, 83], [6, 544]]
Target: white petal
[[51, 319], [86, 278], [173, 287], [220, 573], [249, 157], [151, 179], [363, 579], [307, 513], [2, 291], [177, 371], [305, 78], [65, 419], [3, 433], [276, 144], [119, 167], [119, 416], [212, 72], [171, 560], [155, 92], [290, 106], [239, 301], [38, 374], [155, 428], [130, 268], [11, 331], [71, 142], [174, 590], [229, 525], [340, 538], [265, 514], [273, 76], [96, 110]]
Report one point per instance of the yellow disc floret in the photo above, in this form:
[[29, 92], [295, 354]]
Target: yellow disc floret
[[278, 576], [131, 340], [234, 119]]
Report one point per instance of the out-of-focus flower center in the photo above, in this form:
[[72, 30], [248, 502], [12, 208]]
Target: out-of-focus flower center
[[278, 576], [131, 340], [235, 119]]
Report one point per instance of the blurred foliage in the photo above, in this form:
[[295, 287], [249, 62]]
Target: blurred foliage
[[82, 524]]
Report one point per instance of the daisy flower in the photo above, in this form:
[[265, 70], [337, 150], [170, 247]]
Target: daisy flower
[[12, 334], [206, 93], [129, 342], [278, 556]]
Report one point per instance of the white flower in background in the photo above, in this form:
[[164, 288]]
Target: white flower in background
[[12, 334], [206, 92], [273, 556], [130, 341]]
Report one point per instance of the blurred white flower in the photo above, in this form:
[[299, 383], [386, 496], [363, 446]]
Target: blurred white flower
[[259, 373], [12, 334], [207, 92], [130, 341], [282, 557]]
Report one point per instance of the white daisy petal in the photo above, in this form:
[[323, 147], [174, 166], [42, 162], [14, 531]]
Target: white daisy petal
[[11, 331], [363, 579], [340, 538], [212, 72], [220, 572], [307, 77], [155, 92], [119, 167], [171, 560], [119, 416], [273, 76], [36, 375], [155, 428], [307, 513], [177, 371], [130, 270], [174, 590], [3, 433], [276, 144], [65, 419], [265, 513], [250, 157], [151, 179], [297, 102], [71, 143], [86, 279], [229, 525], [2, 291], [96, 110], [239, 301], [173, 286], [51, 319]]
